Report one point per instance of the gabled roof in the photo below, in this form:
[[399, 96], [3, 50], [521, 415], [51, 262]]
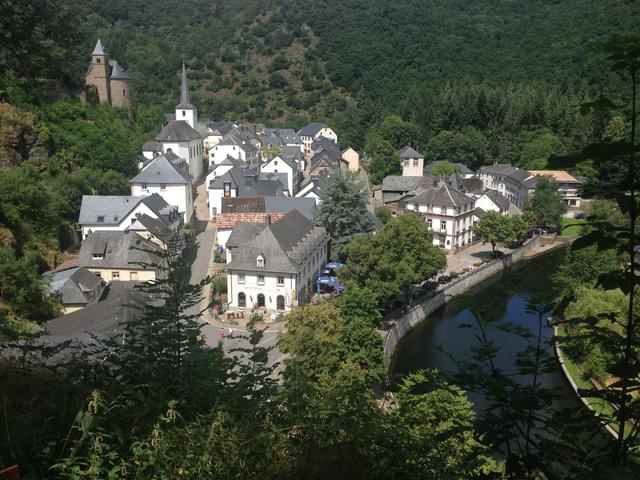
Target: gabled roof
[[443, 195], [523, 176], [288, 204], [222, 128], [73, 285], [408, 152], [177, 131], [161, 170], [156, 227], [98, 49], [311, 130], [498, 199], [114, 208], [247, 183], [245, 231], [399, 183], [284, 244], [239, 140], [126, 250], [226, 221], [290, 162], [151, 146]]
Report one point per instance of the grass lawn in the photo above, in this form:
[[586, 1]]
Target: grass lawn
[[572, 227]]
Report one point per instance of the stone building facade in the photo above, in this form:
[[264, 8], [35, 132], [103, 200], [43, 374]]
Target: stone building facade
[[110, 79]]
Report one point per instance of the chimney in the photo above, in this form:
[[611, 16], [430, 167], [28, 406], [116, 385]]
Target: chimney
[[267, 219]]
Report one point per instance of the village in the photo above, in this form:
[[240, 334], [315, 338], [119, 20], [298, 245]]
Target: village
[[246, 195]]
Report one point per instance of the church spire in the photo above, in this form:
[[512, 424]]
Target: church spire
[[98, 50], [184, 90]]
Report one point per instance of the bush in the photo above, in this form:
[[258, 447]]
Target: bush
[[383, 214], [595, 365], [219, 284], [454, 275]]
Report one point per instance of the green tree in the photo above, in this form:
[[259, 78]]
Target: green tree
[[385, 162], [496, 228], [468, 146], [399, 255], [583, 267], [546, 203], [398, 132], [343, 211], [383, 214], [444, 170], [535, 148]]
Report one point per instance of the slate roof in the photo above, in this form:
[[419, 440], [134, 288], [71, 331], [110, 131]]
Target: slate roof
[[291, 163], [151, 146], [247, 183], [117, 72], [185, 98], [330, 158], [155, 226], [399, 183], [311, 130], [498, 199], [408, 152], [238, 140], [223, 128], [73, 285], [243, 232], [162, 170], [119, 250], [523, 176], [460, 167], [472, 185], [443, 195], [115, 207], [478, 212], [104, 319], [98, 49], [177, 131], [288, 204], [281, 177], [291, 152], [284, 244]]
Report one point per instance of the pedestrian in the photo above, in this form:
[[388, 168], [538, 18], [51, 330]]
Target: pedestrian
[[221, 334], [230, 331]]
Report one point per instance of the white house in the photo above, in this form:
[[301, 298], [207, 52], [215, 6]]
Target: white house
[[512, 182], [283, 165], [312, 132], [167, 176], [275, 267], [118, 213], [568, 185], [236, 146], [448, 213], [215, 132], [493, 201]]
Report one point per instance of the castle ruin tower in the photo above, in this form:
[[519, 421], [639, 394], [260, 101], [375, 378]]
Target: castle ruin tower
[[120, 87], [185, 109], [99, 73]]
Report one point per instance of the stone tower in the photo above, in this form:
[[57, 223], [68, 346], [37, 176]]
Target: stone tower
[[120, 87], [185, 109], [99, 73]]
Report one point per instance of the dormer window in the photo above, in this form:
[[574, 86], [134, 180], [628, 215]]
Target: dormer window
[[184, 113], [97, 256], [260, 261], [100, 218]]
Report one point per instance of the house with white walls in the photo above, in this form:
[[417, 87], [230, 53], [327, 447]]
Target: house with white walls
[[448, 213], [274, 268], [312, 132], [119, 213], [167, 176], [280, 164], [238, 146]]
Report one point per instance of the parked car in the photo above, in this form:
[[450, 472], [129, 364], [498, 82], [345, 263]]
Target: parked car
[[429, 285], [444, 279], [579, 215]]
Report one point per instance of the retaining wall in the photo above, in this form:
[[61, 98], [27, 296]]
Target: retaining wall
[[407, 322]]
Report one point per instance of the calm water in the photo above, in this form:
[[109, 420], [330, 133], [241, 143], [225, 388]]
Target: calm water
[[433, 343]]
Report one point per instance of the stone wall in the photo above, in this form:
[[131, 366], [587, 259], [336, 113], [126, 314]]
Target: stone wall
[[419, 313]]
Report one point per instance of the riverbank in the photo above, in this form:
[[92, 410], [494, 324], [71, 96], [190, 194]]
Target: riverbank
[[538, 245]]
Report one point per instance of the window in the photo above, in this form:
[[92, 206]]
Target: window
[[280, 303], [97, 256], [124, 93], [429, 223], [241, 278], [280, 281], [443, 226], [98, 60], [133, 276], [242, 300], [415, 162], [275, 162], [184, 113], [100, 218], [260, 279], [163, 187], [145, 186], [406, 162], [260, 261], [115, 275], [227, 189]]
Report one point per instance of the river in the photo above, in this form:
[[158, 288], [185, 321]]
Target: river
[[436, 342]]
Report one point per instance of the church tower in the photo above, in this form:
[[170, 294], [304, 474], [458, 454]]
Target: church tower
[[99, 72], [185, 109], [120, 87]]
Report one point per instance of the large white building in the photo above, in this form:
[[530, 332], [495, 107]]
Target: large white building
[[284, 165], [312, 132], [512, 182], [238, 146], [274, 265], [167, 176], [448, 213]]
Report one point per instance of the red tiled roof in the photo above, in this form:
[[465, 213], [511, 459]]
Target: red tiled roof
[[229, 220]]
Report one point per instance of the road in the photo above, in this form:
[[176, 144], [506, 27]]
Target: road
[[202, 266]]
